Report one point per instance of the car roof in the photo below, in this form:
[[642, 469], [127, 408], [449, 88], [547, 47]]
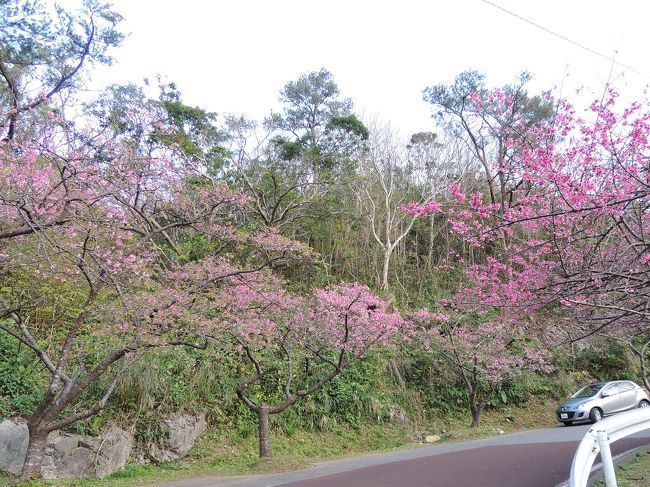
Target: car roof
[[600, 384]]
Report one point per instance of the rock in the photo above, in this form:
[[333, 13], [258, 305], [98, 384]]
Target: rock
[[77, 456], [397, 416], [14, 438], [68, 459], [114, 452], [140, 455], [178, 437], [432, 438], [66, 455], [63, 443]]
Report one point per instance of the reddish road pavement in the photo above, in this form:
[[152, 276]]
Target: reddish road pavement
[[526, 465], [534, 458]]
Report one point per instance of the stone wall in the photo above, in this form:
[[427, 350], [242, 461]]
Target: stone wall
[[67, 455], [76, 456]]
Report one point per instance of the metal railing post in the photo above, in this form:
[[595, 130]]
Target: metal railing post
[[598, 440], [606, 458]]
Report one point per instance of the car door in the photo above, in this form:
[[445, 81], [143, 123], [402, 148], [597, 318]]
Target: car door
[[628, 395], [611, 399]]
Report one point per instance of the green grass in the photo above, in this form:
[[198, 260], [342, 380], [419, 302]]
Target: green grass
[[633, 474], [222, 452]]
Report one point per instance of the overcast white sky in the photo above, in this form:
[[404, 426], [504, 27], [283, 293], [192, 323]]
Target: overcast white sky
[[233, 56]]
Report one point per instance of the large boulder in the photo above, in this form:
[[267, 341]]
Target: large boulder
[[14, 438], [77, 456], [177, 438], [67, 455], [114, 452]]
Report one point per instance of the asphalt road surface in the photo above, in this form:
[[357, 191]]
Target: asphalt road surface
[[536, 458]]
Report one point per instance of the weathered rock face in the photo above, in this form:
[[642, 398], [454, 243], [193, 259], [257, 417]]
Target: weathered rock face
[[178, 436], [398, 416], [76, 456], [115, 451], [67, 455], [14, 437]]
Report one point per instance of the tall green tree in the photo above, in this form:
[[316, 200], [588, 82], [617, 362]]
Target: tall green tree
[[162, 122], [316, 124], [45, 50], [485, 128], [295, 164]]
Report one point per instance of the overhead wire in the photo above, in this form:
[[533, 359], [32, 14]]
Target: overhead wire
[[566, 39]]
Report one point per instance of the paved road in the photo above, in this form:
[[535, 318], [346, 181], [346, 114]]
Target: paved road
[[536, 458]]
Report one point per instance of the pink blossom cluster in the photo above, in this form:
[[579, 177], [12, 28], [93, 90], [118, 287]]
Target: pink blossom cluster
[[576, 210]]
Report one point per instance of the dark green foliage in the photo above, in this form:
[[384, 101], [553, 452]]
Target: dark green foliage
[[195, 131], [607, 360], [32, 34], [455, 100], [21, 381], [47, 47], [435, 382], [301, 184], [523, 387], [350, 124], [288, 150], [183, 380], [354, 397], [310, 102]]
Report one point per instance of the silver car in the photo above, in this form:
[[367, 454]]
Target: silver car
[[595, 401]]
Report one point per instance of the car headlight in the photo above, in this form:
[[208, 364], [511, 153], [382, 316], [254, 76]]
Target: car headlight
[[580, 406]]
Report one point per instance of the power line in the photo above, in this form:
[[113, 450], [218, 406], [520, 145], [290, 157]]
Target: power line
[[564, 38]]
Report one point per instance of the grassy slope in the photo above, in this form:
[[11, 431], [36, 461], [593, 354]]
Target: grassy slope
[[633, 474], [221, 453]]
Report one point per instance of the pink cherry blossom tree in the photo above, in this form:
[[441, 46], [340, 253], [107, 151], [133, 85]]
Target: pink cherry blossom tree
[[573, 232], [95, 233], [484, 352], [576, 224], [323, 333]]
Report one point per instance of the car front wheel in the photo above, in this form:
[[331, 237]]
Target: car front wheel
[[644, 404], [595, 415]]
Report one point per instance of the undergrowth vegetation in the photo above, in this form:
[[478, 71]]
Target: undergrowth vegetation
[[387, 387]]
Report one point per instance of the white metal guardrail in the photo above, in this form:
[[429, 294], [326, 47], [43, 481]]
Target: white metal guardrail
[[598, 439]]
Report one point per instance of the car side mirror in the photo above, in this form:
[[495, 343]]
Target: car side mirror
[[605, 394]]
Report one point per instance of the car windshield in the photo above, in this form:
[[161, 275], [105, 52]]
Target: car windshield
[[588, 391]]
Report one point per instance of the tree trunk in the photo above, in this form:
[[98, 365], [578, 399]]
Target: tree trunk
[[428, 264], [476, 415], [641, 355], [35, 453], [263, 431], [644, 371], [383, 285]]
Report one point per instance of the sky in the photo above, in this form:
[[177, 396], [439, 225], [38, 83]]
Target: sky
[[234, 56]]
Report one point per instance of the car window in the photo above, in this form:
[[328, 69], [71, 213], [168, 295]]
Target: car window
[[588, 391], [625, 386], [612, 389]]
